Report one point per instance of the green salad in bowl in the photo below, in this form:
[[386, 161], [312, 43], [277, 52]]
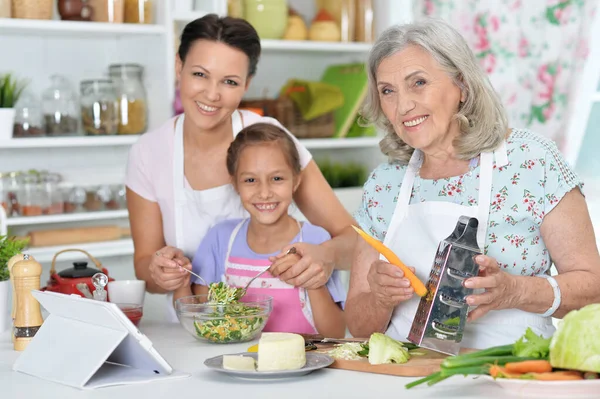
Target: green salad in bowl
[[222, 316]]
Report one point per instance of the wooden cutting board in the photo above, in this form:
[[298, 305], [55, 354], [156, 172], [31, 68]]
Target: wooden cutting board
[[417, 366]]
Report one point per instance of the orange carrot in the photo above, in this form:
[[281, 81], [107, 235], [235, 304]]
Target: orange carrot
[[501, 372], [529, 366], [555, 376], [417, 285]]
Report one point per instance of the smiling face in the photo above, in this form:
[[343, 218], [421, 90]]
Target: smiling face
[[213, 80], [265, 182], [419, 99]]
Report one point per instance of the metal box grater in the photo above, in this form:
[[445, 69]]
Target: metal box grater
[[441, 316]]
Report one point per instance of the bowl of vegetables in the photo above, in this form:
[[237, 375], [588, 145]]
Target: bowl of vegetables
[[224, 319]]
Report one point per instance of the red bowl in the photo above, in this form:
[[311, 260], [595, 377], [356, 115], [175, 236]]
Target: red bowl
[[132, 311]]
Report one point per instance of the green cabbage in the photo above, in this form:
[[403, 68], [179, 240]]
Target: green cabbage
[[576, 342], [383, 349]]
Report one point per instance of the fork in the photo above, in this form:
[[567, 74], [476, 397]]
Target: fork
[[243, 291]]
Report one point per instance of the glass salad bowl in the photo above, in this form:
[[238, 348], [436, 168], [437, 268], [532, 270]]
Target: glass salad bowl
[[224, 323]]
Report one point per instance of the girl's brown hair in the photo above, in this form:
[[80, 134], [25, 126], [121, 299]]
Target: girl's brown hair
[[263, 133]]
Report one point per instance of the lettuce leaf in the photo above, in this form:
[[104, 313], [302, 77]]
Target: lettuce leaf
[[532, 345]]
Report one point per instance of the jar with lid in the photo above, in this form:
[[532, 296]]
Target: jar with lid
[[30, 199], [28, 116], [99, 107], [268, 17], [4, 193], [59, 104], [53, 201], [32, 9], [12, 186], [131, 94], [93, 202], [107, 10], [5, 8], [75, 200], [138, 12]]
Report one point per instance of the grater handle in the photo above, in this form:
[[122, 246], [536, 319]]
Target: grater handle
[[451, 302], [434, 325]]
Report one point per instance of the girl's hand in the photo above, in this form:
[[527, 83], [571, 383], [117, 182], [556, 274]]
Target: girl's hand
[[166, 268], [308, 269], [502, 290], [388, 284]]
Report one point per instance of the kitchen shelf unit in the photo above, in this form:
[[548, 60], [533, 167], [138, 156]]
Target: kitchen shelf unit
[[106, 141], [65, 218], [32, 27], [83, 50]]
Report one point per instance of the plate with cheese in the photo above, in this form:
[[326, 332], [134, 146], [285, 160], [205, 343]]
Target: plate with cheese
[[279, 355]]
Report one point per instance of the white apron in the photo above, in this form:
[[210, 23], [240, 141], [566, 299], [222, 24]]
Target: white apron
[[414, 234], [198, 211]]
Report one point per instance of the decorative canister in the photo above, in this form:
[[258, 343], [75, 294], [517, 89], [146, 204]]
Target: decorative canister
[[268, 17]]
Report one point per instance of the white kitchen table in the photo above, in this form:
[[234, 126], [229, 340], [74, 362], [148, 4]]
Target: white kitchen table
[[187, 354]]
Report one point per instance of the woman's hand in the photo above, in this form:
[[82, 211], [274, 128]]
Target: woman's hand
[[501, 289], [166, 268], [388, 284], [310, 269]]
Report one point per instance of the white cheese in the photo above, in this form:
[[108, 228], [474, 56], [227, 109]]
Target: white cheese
[[235, 362], [281, 351]]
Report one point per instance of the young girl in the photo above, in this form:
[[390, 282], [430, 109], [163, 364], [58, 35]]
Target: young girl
[[265, 170]]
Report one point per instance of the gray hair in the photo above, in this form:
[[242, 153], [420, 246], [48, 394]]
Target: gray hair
[[482, 119]]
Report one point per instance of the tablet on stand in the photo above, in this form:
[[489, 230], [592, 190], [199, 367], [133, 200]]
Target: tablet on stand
[[89, 344]]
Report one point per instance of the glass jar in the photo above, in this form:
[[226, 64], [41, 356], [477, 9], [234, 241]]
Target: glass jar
[[138, 12], [32, 9], [268, 17], [131, 94], [53, 201], [107, 10], [99, 107], [74, 10], [75, 199], [59, 104], [28, 116], [30, 198], [118, 198], [12, 185], [3, 192], [5, 8], [93, 202]]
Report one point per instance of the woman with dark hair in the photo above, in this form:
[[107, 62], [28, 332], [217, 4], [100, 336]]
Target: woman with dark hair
[[177, 181]]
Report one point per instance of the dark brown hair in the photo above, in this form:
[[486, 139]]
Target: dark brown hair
[[263, 133], [234, 32]]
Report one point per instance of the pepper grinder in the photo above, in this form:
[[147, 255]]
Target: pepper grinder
[[100, 280], [11, 262], [28, 316]]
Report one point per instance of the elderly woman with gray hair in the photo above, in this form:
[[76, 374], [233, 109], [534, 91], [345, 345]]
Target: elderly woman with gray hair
[[451, 153]]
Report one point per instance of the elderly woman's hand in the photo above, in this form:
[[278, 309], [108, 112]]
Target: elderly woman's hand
[[310, 269], [166, 268], [388, 284], [501, 288]]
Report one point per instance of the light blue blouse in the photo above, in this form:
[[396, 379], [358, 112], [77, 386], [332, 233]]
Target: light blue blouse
[[523, 192]]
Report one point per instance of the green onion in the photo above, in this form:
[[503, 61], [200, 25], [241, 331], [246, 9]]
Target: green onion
[[455, 362]]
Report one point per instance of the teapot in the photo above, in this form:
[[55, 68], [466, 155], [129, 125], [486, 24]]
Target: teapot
[[76, 279]]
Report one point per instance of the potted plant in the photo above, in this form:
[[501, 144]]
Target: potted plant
[[10, 91], [9, 247]]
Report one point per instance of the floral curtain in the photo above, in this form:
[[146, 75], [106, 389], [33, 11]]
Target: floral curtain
[[532, 50]]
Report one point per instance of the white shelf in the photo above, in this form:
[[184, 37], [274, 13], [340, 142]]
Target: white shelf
[[358, 142], [306, 45], [66, 217], [126, 140], [184, 18], [81, 29], [79, 141], [97, 249]]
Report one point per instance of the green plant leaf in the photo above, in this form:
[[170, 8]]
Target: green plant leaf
[[9, 247]]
